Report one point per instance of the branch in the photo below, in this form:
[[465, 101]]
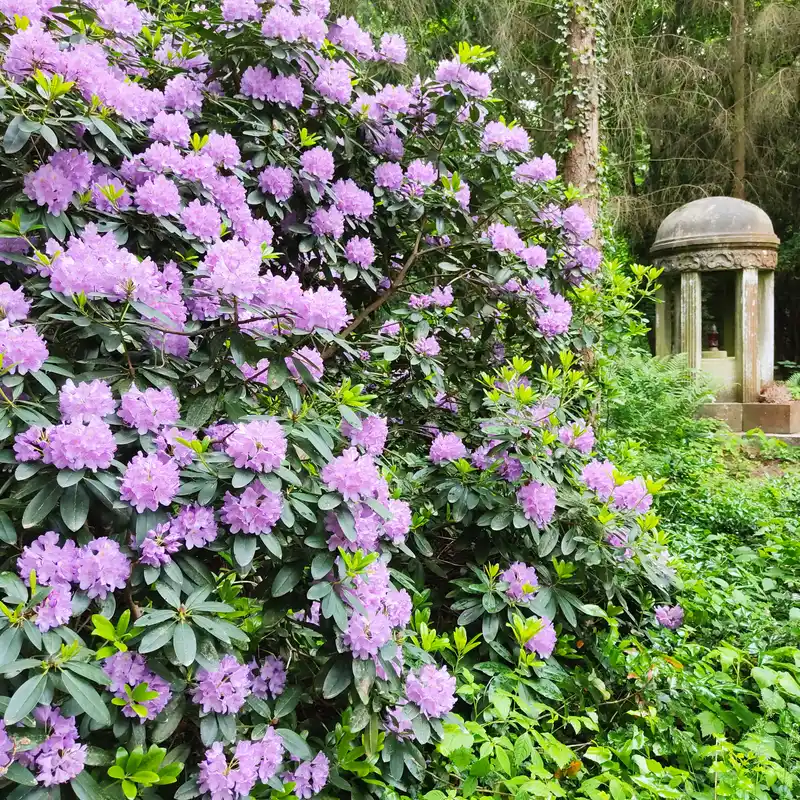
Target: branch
[[381, 299]]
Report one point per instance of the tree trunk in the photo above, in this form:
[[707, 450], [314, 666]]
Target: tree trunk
[[582, 105], [739, 80]]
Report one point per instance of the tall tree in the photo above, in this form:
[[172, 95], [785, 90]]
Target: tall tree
[[582, 103], [739, 84]]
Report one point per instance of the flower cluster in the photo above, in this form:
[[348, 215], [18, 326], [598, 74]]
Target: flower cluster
[[432, 690], [97, 568], [129, 670], [251, 762], [60, 756], [522, 582]]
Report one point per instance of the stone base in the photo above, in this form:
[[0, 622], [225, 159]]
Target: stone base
[[729, 413], [772, 417]]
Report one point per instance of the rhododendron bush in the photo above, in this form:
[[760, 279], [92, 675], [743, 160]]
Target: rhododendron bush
[[295, 370]]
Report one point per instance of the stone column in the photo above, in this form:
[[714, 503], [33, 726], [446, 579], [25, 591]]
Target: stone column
[[766, 324], [691, 318], [747, 345], [663, 321]]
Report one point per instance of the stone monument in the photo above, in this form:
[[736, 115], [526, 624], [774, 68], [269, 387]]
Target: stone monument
[[719, 255]]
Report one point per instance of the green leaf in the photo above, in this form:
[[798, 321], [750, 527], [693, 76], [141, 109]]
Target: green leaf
[[351, 417], [89, 671], [364, 674], [86, 788], [329, 501], [321, 565], [295, 744], [244, 548], [287, 578], [68, 477], [156, 638], [25, 699], [88, 699], [185, 643], [103, 127], [17, 133], [287, 702], [10, 645], [16, 773], [42, 504], [8, 534], [74, 507], [221, 629], [338, 678], [200, 410]]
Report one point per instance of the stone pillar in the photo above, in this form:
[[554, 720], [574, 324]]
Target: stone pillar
[[766, 324], [663, 321], [747, 344], [691, 318]]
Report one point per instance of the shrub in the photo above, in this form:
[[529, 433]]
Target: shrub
[[252, 431]]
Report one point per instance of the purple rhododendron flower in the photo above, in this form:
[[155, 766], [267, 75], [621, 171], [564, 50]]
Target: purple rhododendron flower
[[599, 477], [353, 475], [432, 689], [130, 669], [427, 346], [632, 496], [447, 447], [578, 435], [223, 689], [60, 757], [310, 777], [389, 176], [195, 525], [269, 680], [149, 482], [543, 642], [102, 568], [536, 170], [78, 445], [371, 436], [55, 609], [13, 304], [393, 48], [258, 445], [149, 410], [538, 502], [6, 746], [256, 510], [669, 616], [318, 162], [55, 565], [310, 359], [522, 582], [277, 181], [84, 401], [159, 544], [22, 348]]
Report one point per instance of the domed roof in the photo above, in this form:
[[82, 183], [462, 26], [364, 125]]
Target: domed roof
[[715, 222]]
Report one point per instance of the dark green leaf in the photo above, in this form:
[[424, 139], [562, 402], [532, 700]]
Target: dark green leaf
[[7, 532], [338, 678], [185, 643], [42, 504], [74, 506], [295, 744], [25, 699], [88, 699], [244, 548], [287, 578]]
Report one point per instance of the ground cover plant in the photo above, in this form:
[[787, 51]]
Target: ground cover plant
[[301, 488]]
